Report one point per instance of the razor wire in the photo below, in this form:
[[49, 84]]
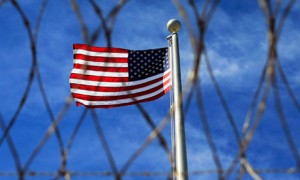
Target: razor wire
[[239, 166]]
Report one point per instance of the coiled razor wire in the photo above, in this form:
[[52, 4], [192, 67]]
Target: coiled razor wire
[[275, 14]]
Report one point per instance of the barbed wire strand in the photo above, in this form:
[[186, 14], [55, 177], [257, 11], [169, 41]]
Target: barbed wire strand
[[198, 47], [277, 7], [48, 134], [151, 137], [104, 21], [222, 99], [266, 7], [207, 132], [144, 174], [284, 123], [11, 146], [228, 113], [256, 110], [103, 25], [270, 72], [105, 144], [283, 17], [33, 39], [31, 72], [249, 115], [83, 26], [202, 26], [2, 2], [287, 85], [63, 167], [160, 137], [40, 82], [35, 69]]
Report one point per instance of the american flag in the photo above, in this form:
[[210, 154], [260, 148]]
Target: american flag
[[112, 77]]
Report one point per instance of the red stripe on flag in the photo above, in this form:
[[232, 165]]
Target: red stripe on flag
[[101, 88], [120, 97], [99, 68], [113, 89], [126, 104], [100, 59], [99, 49], [98, 78]]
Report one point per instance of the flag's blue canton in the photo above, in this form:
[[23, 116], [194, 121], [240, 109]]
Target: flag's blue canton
[[146, 63]]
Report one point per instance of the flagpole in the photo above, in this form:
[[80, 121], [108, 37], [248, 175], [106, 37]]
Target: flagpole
[[180, 147]]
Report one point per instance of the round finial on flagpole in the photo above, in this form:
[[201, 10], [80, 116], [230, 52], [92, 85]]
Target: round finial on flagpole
[[173, 25]]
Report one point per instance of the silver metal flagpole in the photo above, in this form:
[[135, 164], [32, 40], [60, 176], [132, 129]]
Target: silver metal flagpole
[[180, 157]]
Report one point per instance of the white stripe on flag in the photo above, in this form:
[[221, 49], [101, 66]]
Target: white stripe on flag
[[117, 84], [121, 101], [99, 93], [99, 73], [100, 54], [101, 64]]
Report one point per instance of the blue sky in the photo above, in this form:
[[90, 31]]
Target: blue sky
[[237, 46]]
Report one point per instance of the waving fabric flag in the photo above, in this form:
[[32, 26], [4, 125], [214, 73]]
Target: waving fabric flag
[[113, 77]]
